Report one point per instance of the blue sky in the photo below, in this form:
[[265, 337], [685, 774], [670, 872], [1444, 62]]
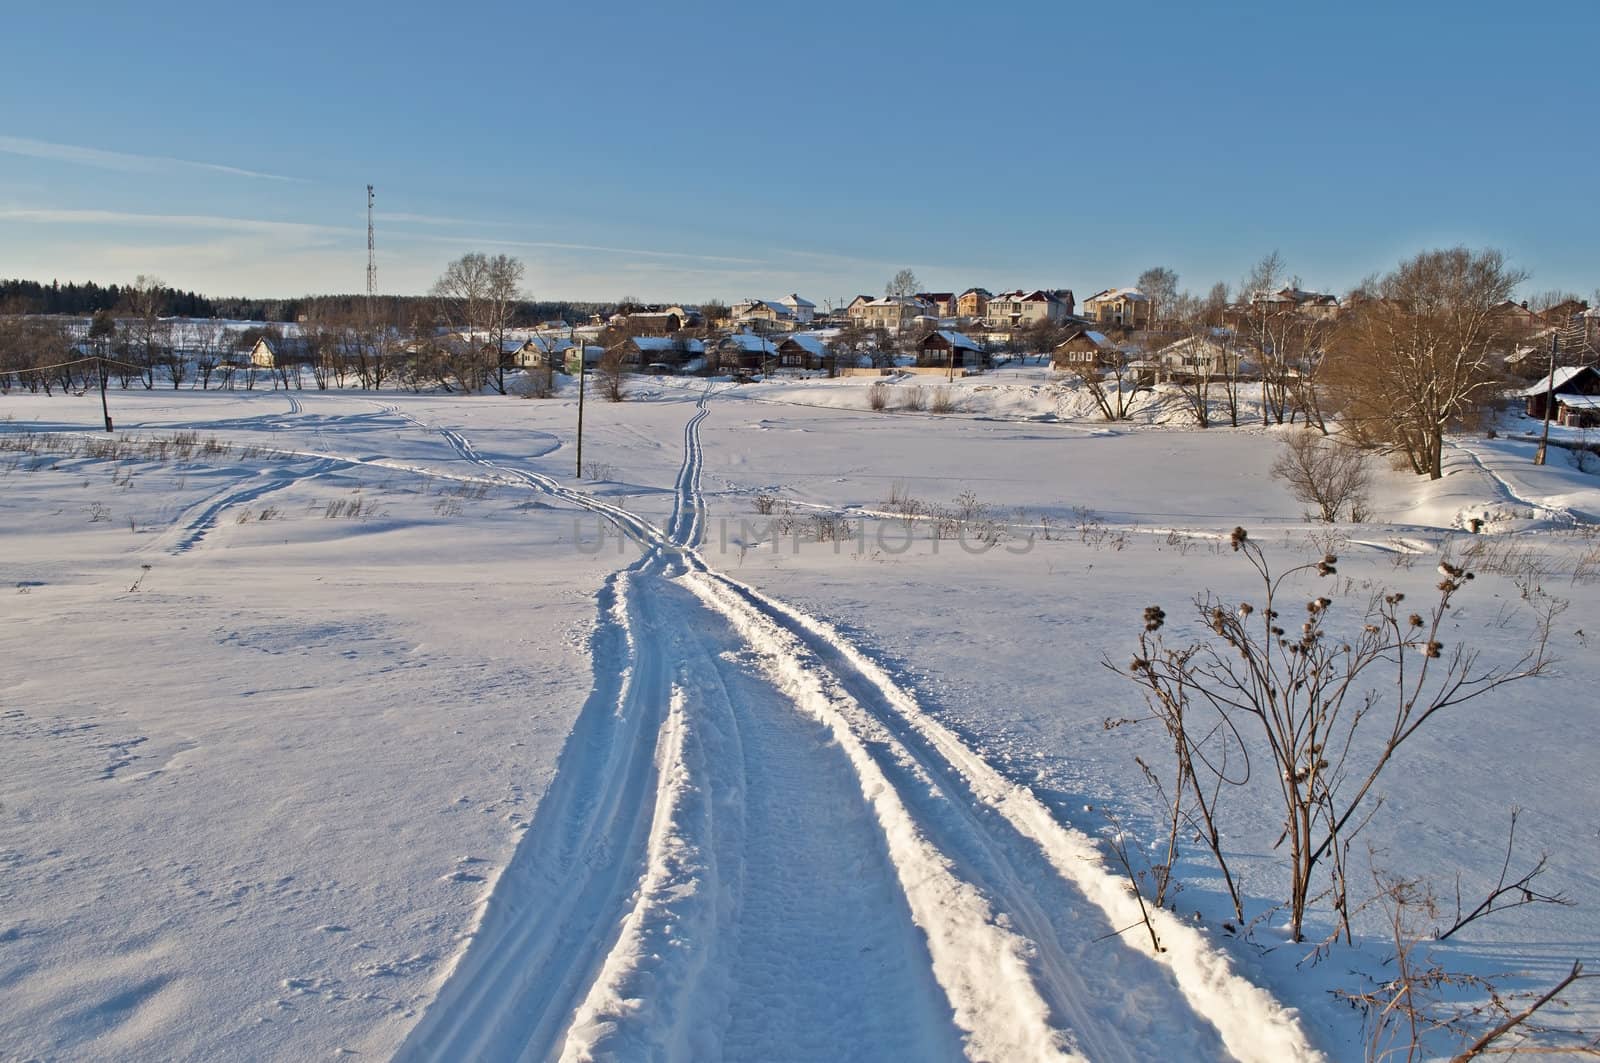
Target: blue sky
[[724, 150]]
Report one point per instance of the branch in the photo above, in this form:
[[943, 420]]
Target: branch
[[1478, 1047], [1520, 890]]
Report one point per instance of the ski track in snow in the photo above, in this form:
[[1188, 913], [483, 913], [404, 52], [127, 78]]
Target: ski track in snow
[[757, 846]]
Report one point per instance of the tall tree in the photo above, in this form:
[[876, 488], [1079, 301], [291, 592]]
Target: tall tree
[[902, 284], [146, 300], [1416, 358], [479, 294], [1160, 284]]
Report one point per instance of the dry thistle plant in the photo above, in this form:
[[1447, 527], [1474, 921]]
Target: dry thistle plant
[[1260, 686]]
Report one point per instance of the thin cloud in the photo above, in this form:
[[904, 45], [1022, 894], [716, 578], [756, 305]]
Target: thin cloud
[[435, 219], [177, 221], [551, 245], [124, 161]]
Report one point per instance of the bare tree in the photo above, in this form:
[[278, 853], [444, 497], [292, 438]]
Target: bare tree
[[1417, 358], [902, 284], [609, 376], [1161, 285], [479, 294], [207, 339], [1111, 381], [145, 299]]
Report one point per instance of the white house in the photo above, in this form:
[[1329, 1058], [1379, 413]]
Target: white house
[[803, 310]]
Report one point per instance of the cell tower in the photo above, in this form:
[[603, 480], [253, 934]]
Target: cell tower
[[372, 260]]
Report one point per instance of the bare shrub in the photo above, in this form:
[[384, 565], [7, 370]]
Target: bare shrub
[[943, 400], [1257, 689], [830, 528], [537, 383], [1324, 473], [916, 399], [599, 470], [610, 378], [356, 508], [765, 501], [878, 397]]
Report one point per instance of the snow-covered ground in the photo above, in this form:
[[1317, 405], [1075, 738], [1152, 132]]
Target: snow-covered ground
[[373, 729]]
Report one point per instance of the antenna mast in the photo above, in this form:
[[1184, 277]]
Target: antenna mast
[[372, 261]]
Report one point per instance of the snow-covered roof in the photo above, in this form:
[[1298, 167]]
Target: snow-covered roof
[[1020, 295], [958, 341], [1096, 338], [894, 300], [751, 304], [749, 342], [810, 343], [797, 301], [1132, 295], [1579, 402], [1562, 377], [658, 344]]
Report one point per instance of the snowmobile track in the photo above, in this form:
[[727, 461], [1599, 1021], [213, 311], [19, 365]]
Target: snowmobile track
[[744, 796]]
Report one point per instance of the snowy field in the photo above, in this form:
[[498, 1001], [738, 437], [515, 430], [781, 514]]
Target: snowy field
[[354, 723]]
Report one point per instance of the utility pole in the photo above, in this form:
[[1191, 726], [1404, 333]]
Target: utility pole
[[1549, 400], [582, 368], [100, 363]]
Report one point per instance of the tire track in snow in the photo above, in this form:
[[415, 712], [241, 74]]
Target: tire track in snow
[[202, 518], [1011, 904]]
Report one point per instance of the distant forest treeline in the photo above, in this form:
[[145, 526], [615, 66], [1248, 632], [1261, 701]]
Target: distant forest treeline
[[33, 297]]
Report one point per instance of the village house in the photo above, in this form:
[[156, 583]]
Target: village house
[[1122, 308], [892, 312], [262, 355], [658, 353], [1202, 357], [804, 311], [763, 314], [1563, 313], [951, 349], [275, 352], [1515, 318], [943, 303], [973, 303], [745, 351], [536, 352], [651, 322], [1025, 309], [1290, 298], [804, 351], [1576, 391], [1084, 350]]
